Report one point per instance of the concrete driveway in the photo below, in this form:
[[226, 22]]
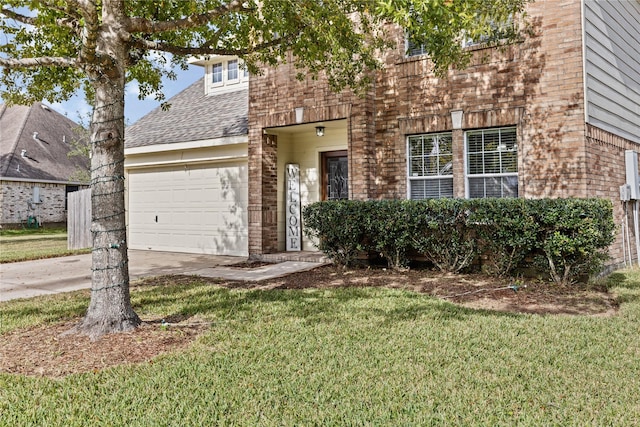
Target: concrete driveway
[[55, 275]]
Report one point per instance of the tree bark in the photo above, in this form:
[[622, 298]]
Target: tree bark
[[110, 307]]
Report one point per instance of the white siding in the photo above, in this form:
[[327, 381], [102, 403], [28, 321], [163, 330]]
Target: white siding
[[612, 66]]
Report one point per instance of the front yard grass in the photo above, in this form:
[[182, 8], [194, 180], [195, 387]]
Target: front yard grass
[[344, 356], [30, 244]]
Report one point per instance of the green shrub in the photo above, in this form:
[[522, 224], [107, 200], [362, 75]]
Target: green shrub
[[506, 232], [573, 236], [569, 236], [339, 226], [390, 227], [443, 235]]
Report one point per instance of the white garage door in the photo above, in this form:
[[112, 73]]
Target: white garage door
[[193, 208]]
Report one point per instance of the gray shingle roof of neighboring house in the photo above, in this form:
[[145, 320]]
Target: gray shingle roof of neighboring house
[[193, 116], [34, 143]]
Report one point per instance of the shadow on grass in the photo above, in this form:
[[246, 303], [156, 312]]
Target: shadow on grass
[[45, 309], [384, 306], [626, 285]]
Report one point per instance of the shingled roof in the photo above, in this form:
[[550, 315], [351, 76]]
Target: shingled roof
[[34, 143], [193, 116]]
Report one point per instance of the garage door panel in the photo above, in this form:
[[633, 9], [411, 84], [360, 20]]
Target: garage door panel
[[199, 209]]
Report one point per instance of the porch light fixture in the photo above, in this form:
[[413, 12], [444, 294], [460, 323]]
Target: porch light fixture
[[319, 130]]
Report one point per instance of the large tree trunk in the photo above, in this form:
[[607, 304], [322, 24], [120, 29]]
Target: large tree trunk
[[110, 308]]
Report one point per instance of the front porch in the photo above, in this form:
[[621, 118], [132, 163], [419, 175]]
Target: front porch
[[297, 256], [319, 151]]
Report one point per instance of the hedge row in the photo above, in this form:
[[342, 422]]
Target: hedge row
[[565, 238]]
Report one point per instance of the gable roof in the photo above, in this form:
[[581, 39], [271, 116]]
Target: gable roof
[[34, 142], [193, 116]]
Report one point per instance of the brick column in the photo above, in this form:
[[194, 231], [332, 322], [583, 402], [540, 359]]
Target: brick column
[[263, 186], [362, 149]]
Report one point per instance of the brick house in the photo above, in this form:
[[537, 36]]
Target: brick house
[[549, 117], [36, 174]]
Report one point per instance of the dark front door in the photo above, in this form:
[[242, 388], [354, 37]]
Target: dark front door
[[335, 175]]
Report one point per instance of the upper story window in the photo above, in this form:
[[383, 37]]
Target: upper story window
[[430, 166], [216, 73], [492, 162], [499, 31], [414, 49], [232, 70], [224, 74]]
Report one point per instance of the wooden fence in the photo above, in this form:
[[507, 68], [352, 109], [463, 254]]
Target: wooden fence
[[79, 219]]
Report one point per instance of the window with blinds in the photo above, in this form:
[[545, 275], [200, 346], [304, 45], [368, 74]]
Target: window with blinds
[[499, 31], [430, 166], [492, 163], [414, 49]]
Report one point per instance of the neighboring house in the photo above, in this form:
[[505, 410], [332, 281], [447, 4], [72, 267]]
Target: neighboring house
[[549, 117], [186, 168], [36, 173]]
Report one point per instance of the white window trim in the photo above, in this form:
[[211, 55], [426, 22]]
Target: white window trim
[[211, 74], [227, 69], [226, 84], [407, 53], [411, 178], [486, 175], [486, 39]]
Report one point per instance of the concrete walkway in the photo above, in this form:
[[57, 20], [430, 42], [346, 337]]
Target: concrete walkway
[[64, 274]]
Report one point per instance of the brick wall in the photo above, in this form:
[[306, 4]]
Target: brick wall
[[536, 85], [17, 203], [606, 166], [554, 160], [273, 100]]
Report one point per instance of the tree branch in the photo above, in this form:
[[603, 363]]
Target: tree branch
[[70, 22], [206, 49], [43, 61], [71, 10], [182, 50], [18, 16], [89, 11], [143, 25]]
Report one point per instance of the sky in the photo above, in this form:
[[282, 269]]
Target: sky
[[79, 111]]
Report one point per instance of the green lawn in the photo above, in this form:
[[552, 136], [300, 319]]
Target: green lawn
[[359, 356], [29, 244]]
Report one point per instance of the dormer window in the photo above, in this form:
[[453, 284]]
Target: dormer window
[[216, 73], [232, 70], [223, 73]]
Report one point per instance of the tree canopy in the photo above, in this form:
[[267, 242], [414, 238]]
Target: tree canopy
[[50, 49], [48, 45]]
